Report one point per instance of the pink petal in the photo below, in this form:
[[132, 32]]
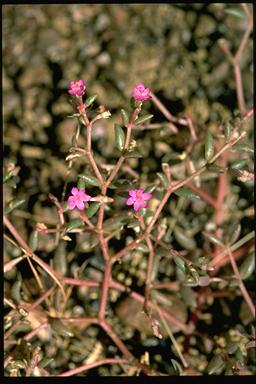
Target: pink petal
[[132, 192], [143, 203], [80, 205], [136, 206], [130, 201], [146, 196], [74, 191], [81, 192], [71, 202], [87, 198]]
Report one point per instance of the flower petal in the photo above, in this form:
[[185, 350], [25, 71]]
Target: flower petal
[[130, 201], [147, 196], [81, 192], [80, 205], [87, 198], [74, 191], [71, 202], [132, 192], [136, 206]]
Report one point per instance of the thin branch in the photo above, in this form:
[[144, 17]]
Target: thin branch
[[105, 287], [241, 284], [170, 334], [150, 264], [85, 367], [167, 113], [218, 259], [126, 145], [26, 248], [94, 166], [116, 339], [184, 327], [204, 196], [81, 283]]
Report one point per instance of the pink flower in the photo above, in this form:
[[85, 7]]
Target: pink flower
[[79, 196], [137, 198], [141, 93], [77, 88]]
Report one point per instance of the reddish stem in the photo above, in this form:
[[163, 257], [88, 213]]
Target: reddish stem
[[85, 367]]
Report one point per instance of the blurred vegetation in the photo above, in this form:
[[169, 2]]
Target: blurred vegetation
[[174, 50]]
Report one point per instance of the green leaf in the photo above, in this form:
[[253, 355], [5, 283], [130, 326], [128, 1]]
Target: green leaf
[[213, 238], [12, 205], [151, 188], [65, 206], [177, 367], [215, 168], [188, 297], [247, 267], [133, 224], [91, 180], [114, 222], [235, 12], [119, 137], [60, 260], [235, 233], [184, 240], [90, 100], [20, 364], [15, 292], [163, 179], [142, 248], [45, 361], [228, 130], [143, 119], [93, 208], [209, 146], [81, 183], [242, 147], [94, 240], [186, 192], [74, 224], [76, 135], [132, 154], [194, 274], [216, 365], [125, 117], [73, 141], [7, 176], [235, 172], [180, 263], [135, 103], [58, 326], [238, 164], [33, 240], [232, 347]]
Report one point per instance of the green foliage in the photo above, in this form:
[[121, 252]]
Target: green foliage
[[119, 137]]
